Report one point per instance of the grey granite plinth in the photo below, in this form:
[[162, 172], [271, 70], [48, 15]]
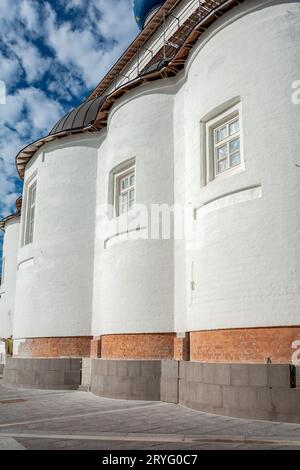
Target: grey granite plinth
[[40, 373]]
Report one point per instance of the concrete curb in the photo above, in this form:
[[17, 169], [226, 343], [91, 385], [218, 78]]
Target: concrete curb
[[164, 438]]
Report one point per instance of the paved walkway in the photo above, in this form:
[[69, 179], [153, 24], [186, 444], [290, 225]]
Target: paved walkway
[[78, 420]]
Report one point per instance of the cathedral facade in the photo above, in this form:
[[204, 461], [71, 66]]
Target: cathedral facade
[[160, 218]]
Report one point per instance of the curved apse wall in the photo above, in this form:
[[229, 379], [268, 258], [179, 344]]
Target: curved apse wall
[[55, 275]]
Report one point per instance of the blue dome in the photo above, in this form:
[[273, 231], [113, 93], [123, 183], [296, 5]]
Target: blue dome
[[143, 8]]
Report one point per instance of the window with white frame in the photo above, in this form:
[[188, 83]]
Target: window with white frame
[[124, 190], [227, 145], [30, 213], [223, 143]]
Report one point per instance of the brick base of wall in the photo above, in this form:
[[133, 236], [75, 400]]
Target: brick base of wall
[[96, 347], [182, 347], [245, 345], [138, 346], [76, 346], [127, 346], [249, 345]]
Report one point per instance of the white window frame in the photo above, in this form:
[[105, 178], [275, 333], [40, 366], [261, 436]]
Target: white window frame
[[220, 120], [30, 213], [118, 191], [225, 143]]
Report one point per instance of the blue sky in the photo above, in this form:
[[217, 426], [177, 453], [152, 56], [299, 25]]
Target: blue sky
[[52, 54]]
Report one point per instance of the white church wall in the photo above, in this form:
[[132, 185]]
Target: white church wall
[[100, 217], [134, 286], [180, 271], [8, 285], [55, 272], [241, 267], [244, 262]]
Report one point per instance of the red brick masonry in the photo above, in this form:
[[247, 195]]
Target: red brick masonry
[[249, 345], [138, 346], [252, 345], [127, 346], [182, 348], [96, 347], [75, 346]]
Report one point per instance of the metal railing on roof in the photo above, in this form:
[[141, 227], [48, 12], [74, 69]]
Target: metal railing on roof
[[172, 24]]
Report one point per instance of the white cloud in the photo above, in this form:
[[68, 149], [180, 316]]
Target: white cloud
[[10, 142], [42, 111], [71, 4], [10, 70], [76, 87], [34, 106], [11, 113], [29, 14], [93, 50], [113, 23], [78, 51], [33, 63], [8, 10], [22, 120]]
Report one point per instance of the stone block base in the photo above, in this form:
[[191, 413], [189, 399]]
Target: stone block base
[[49, 374], [256, 391], [126, 380]]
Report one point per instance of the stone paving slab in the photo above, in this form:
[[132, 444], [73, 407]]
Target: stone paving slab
[[81, 420], [119, 445], [8, 443]]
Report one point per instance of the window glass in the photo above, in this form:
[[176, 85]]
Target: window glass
[[125, 191], [30, 213], [227, 145]]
